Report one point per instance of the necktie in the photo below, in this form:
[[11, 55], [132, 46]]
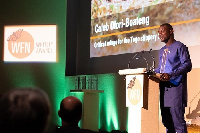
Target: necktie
[[164, 58]]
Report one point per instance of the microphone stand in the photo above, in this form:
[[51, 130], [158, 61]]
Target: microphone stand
[[147, 64], [149, 71], [129, 63], [153, 65], [138, 57], [152, 68]]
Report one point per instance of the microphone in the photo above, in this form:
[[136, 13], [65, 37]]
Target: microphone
[[148, 70], [136, 56], [147, 64], [153, 65], [129, 63]]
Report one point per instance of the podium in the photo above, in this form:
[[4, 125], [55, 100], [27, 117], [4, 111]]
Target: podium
[[142, 100], [90, 113]]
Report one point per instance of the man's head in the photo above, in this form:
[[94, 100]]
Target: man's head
[[70, 110], [24, 110], [166, 32]]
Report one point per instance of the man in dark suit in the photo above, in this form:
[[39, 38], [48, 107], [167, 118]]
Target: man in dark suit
[[174, 64], [70, 112]]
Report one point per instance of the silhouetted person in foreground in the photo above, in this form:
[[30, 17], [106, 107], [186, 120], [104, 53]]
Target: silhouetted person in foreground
[[24, 110], [70, 112]]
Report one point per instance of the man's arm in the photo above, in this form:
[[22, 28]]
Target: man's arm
[[186, 64]]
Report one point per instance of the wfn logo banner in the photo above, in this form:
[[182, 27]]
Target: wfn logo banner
[[30, 43]]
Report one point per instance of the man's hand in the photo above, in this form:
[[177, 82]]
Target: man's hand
[[164, 77]]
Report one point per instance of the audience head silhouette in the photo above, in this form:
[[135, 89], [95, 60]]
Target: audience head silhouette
[[24, 110], [70, 111]]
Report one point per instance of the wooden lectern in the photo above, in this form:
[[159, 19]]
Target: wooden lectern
[[144, 112]]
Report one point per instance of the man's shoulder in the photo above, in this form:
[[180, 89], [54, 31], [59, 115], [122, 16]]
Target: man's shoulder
[[162, 49], [64, 129], [179, 43]]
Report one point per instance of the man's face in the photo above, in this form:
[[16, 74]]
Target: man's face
[[164, 33]]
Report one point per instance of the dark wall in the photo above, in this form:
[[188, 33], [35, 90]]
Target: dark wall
[[72, 36]]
